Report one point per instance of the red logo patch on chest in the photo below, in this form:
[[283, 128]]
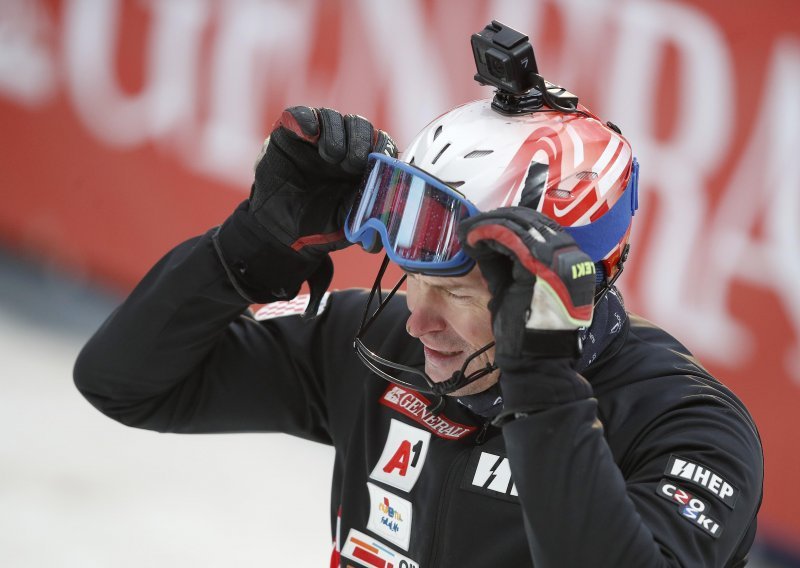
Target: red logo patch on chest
[[415, 406]]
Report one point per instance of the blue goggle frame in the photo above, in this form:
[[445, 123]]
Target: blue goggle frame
[[596, 239], [373, 228]]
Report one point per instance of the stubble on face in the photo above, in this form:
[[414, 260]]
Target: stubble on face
[[464, 327]]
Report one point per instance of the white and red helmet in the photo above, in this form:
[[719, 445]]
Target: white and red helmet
[[569, 166]]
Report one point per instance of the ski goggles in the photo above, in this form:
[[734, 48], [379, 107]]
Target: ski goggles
[[413, 215]]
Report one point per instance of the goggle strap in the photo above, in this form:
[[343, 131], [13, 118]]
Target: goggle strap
[[599, 237]]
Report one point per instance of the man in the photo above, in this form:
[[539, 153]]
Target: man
[[529, 420]]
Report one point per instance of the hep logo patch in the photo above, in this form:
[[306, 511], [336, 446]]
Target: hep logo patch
[[701, 476]]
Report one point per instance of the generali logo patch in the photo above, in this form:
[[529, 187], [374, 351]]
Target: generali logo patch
[[415, 406]]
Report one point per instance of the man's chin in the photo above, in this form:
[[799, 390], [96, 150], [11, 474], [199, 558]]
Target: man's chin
[[439, 375]]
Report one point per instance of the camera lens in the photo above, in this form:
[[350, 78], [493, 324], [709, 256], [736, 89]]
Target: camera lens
[[497, 63]]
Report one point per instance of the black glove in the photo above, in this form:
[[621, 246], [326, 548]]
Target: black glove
[[305, 178], [542, 284]]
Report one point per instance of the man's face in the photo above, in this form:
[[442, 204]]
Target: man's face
[[451, 318]]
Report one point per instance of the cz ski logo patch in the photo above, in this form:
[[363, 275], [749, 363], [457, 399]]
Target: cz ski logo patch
[[671, 492], [701, 520], [690, 507]]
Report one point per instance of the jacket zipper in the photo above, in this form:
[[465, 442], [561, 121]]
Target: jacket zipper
[[480, 438], [438, 528]]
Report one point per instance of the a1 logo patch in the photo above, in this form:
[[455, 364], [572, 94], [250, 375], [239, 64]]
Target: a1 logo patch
[[403, 456]]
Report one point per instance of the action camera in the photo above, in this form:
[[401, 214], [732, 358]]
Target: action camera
[[504, 59]]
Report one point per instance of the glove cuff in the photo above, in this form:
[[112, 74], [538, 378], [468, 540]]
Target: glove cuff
[[527, 389], [261, 269], [541, 344]]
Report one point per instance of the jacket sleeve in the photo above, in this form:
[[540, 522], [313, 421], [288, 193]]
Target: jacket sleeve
[[583, 509], [183, 354]]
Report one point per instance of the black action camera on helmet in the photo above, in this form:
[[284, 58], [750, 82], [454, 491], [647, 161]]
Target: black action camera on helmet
[[505, 60]]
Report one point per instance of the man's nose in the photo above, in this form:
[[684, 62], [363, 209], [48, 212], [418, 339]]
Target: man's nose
[[424, 319]]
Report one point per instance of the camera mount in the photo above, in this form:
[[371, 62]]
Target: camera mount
[[505, 60]]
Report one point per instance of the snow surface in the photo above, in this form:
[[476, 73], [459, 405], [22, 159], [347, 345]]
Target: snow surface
[[78, 489]]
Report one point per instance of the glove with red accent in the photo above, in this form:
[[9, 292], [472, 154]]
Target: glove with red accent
[[305, 177], [542, 284]]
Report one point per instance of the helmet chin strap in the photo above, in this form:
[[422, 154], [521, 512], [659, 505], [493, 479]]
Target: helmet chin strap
[[459, 379], [375, 363]]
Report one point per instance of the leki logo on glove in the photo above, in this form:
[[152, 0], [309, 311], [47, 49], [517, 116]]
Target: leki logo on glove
[[403, 456], [582, 269], [415, 406]]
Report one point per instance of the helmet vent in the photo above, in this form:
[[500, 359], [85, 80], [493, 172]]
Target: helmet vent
[[586, 175], [437, 132], [439, 155], [455, 184], [559, 193], [478, 153]]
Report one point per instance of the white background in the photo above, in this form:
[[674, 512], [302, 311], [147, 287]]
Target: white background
[[77, 489]]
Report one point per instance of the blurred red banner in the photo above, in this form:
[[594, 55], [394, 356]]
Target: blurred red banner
[[129, 126]]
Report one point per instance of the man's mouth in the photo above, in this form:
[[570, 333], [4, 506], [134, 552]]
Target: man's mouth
[[441, 358]]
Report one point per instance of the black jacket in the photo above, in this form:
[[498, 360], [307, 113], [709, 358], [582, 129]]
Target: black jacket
[[661, 467]]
